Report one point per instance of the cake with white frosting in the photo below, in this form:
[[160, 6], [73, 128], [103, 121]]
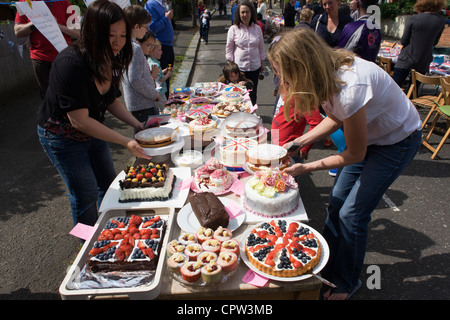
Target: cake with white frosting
[[271, 193]]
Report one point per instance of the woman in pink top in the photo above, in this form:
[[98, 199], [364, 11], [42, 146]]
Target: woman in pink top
[[245, 44]]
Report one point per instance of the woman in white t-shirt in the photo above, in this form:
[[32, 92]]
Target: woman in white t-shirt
[[382, 130]]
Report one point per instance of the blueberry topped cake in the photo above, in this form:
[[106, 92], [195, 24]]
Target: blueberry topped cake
[[283, 248], [128, 244]]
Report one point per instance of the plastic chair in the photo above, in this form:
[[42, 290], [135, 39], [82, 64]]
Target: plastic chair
[[439, 111], [426, 101]]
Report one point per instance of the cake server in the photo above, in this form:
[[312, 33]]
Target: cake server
[[328, 283]]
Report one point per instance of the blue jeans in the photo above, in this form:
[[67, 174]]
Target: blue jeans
[[86, 168], [357, 191]]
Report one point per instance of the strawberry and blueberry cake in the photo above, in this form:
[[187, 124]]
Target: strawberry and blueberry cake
[[283, 248], [127, 244]]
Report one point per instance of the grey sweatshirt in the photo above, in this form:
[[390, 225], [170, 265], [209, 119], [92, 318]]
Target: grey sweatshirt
[[137, 83]]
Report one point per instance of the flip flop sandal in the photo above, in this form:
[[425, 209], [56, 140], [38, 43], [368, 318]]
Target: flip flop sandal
[[340, 290]]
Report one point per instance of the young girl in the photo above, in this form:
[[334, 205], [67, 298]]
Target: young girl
[[138, 86], [158, 74], [382, 131], [232, 74]]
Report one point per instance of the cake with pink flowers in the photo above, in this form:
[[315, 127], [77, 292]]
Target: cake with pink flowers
[[271, 194], [213, 177]]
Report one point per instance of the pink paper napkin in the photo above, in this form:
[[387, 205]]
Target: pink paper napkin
[[82, 231], [186, 183], [233, 209], [237, 187], [254, 279]]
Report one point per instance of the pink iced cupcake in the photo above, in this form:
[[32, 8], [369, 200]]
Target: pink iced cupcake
[[222, 234], [193, 250], [230, 246], [211, 245], [204, 234], [227, 260]]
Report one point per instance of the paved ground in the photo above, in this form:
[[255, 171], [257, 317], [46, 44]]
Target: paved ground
[[408, 244]]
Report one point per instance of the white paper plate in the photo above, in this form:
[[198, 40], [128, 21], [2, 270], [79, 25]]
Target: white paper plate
[[325, 255], [187, 221]]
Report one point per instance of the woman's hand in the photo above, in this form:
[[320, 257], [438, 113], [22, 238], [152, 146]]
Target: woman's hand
[[135, 149], [296, 169]]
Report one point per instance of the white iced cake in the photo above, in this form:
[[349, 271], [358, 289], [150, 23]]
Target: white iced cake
[[271, 193]]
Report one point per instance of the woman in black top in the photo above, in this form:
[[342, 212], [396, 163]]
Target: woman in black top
[[329, 25], [422, 33], [84, 84]]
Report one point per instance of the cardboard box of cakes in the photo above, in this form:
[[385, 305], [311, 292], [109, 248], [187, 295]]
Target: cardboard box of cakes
[[121, 265]]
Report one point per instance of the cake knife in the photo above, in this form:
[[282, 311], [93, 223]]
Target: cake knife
[[328, 283]]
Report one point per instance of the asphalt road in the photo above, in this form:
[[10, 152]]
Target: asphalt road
[[408, 247]]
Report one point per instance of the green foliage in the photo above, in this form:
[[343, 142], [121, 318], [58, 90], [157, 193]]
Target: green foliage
[[393, 9]]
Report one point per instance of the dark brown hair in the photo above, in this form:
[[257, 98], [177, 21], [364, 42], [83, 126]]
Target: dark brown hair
[[237, 17], [230, 67], [136, 14], [429, 5], [94, 43]]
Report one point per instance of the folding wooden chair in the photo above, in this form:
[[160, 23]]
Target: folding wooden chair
[[439, 111], [426, 101], [386, 64]]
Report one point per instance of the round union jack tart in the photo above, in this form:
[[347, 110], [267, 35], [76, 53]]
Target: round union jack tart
[[283, 248]]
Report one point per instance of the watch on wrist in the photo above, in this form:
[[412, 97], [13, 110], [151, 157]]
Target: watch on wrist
[[33, 27]]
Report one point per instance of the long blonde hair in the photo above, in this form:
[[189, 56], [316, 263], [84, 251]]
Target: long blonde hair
[[307, 69]]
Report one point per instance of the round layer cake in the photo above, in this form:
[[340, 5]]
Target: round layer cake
[[205, 92], [241, 124], [267, 156], [283, 248], [197, 112], [271, 193], [231, 97], [233, 151], [202, 125], [156, 137]]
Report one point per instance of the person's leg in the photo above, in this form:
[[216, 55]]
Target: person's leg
[[253, 76], [356, 193], [72, 161], [400, 76], [102, 166], [42, 73]]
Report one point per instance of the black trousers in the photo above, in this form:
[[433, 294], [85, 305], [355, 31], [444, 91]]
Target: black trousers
[[42, 73], [253, 75], [167, 57]]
